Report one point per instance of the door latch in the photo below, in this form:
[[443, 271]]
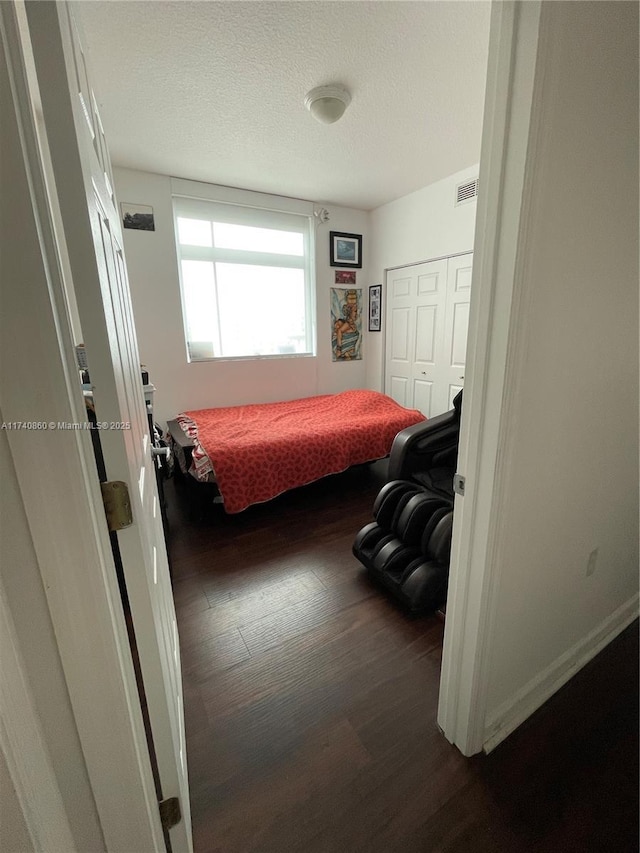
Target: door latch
[[459, 483]]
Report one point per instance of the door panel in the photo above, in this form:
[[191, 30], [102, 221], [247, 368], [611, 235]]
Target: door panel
[[462, 274], [426, 332], [93, 237], [400, 319], [401, 286], [457, 321], [428, 282], [459, 329], [453, 390], [422, 395], [399, 390]]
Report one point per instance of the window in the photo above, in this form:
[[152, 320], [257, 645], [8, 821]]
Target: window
[[246, 280]]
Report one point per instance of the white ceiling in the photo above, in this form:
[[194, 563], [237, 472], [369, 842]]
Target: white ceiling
[[214, 91]]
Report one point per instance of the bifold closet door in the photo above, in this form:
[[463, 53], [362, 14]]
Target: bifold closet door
[[427, 321], [416, 309]]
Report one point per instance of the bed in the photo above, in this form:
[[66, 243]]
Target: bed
[[254, 453]]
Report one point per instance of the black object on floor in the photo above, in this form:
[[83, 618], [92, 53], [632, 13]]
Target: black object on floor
[[407, 547]]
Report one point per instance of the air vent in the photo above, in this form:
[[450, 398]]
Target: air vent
[[467, 191]]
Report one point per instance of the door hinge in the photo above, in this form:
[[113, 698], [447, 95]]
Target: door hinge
[[170, 813], [459, 483], [117, 506]]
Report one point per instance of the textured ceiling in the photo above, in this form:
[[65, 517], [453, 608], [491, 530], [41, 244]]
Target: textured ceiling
[[214, 91]]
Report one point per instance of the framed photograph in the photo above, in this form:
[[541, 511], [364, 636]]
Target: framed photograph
[[345, 249], [375, 307], [345, 277], [138, 216]]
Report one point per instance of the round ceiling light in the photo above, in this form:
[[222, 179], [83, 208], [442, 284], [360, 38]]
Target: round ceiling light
[[327, 103]]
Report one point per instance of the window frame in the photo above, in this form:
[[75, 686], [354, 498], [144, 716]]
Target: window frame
[[223, 204]]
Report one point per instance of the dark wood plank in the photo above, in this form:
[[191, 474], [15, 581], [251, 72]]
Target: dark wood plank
[[256, 814], [207, 657], [303, 616], [228, 610], [274, 586], [189, 598], [311, 701]]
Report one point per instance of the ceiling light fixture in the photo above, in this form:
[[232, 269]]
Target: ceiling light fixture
[[327, 103]]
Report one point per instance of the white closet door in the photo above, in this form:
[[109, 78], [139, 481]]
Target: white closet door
[[427, 321], [416, 301], [456, 326]]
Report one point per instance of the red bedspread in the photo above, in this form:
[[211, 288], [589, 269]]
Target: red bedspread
[[261, 450]]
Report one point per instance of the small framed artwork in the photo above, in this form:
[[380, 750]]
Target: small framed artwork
[[375, 307], [345, 277], [138, 216], [345, 250]]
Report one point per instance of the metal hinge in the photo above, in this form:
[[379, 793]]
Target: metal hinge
[[170, 813], [459, 483], [117, 506]]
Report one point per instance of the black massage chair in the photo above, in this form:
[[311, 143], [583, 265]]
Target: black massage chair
[[407, 547]]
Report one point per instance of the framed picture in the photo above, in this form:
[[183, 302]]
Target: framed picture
[[345, 276], [345, 249], [138, 216], [346, 323], [375, 307]]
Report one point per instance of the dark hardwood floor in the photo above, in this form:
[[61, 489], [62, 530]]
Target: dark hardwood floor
[[310, 704]]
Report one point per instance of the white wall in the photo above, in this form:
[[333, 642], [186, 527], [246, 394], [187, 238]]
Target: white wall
[[570, 481], [153, 273], [418, 227]]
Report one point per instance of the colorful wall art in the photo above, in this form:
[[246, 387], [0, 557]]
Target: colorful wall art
[[346, 323]]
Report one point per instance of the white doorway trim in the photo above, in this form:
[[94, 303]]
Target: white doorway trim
[[508, 147], [429, 260]]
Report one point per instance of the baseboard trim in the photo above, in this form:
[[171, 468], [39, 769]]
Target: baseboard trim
[[528, 699]]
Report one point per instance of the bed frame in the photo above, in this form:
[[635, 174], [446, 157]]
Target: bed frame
[[199, 495]]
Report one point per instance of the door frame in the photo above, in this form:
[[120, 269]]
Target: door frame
[[70, 536], [59, 485], [507, 165]]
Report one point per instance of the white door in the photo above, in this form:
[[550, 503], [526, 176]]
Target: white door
[[94, 241], [427, 320], [456, 326], [416, 302]]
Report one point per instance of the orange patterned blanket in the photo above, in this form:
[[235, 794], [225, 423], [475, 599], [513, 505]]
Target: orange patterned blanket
[[259, 451]]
